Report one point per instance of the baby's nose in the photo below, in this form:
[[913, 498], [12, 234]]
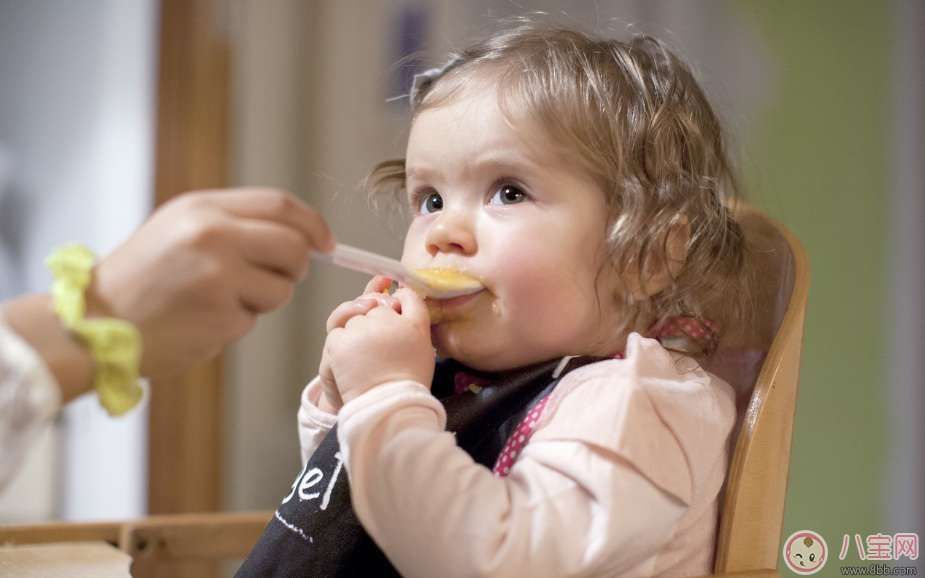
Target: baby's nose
[[451, 233]]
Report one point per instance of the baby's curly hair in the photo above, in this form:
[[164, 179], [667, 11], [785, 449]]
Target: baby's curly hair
[[634, 118]]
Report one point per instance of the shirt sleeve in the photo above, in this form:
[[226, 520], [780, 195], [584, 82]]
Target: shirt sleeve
[[314, 424], [30, 398], [571, 506]]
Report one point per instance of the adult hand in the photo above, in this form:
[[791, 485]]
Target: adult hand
[[372, 343], [199, 271]]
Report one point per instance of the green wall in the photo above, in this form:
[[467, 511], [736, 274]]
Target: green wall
[[818, 161]]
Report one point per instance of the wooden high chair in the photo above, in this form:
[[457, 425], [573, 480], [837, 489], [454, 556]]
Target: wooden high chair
[[764, 372]]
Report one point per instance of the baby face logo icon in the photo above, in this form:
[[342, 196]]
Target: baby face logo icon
[[805, 552]]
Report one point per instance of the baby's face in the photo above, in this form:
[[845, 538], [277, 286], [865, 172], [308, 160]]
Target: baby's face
[[806, 553], [494, 201]]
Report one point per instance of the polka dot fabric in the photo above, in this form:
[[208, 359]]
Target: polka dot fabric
[[518, 439], [521, 435], [674, 327]]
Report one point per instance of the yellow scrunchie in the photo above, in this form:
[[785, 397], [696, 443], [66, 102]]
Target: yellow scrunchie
[[115, 345]]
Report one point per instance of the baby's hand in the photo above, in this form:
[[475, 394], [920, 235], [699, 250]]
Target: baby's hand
[[374, 295], [372, 341]]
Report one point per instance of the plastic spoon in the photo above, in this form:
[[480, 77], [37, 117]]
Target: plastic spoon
[[435, 282]]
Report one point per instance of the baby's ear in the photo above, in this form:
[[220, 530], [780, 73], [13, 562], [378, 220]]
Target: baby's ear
[[665, 260]]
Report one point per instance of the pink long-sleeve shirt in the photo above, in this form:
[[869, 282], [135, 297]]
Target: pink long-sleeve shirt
[[620, 477]]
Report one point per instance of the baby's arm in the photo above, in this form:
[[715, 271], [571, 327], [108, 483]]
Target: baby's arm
[[573, 504], [599, 489], [567, 508]]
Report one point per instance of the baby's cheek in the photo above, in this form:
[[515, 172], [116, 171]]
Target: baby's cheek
[[533, 305], [414, 252], [522, 285]]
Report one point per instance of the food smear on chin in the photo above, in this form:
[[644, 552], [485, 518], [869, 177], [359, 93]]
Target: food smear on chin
[[444, 279], [436, 314]]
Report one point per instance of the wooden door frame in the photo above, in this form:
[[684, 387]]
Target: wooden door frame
[[185, 430]]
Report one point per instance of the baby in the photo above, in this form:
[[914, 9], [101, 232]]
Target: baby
[[583, 182]]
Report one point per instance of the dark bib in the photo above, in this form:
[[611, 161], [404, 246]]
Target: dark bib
[[315, 532]]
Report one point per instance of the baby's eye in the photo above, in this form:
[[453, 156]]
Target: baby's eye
[[812, 557], [430, 203], [507, 195]]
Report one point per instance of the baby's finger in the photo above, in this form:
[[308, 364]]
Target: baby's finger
[[383, 299], [378, 284], [347, 311], [359, 321], [413, 307]]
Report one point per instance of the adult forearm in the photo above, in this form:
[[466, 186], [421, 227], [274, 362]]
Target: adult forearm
[[68, 360]]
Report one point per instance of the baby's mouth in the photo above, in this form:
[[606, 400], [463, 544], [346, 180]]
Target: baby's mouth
[[452, 309]]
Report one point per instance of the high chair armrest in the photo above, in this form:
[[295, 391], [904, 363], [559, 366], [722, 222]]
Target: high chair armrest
[[157, 539], [60, 532], [182, 537], [190, 538]]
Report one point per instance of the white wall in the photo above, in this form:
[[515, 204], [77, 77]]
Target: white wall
[[77, 104]]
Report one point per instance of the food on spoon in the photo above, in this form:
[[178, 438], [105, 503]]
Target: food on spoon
[[445, 279]]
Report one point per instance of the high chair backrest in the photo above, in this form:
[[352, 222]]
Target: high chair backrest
[[764, 370]]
